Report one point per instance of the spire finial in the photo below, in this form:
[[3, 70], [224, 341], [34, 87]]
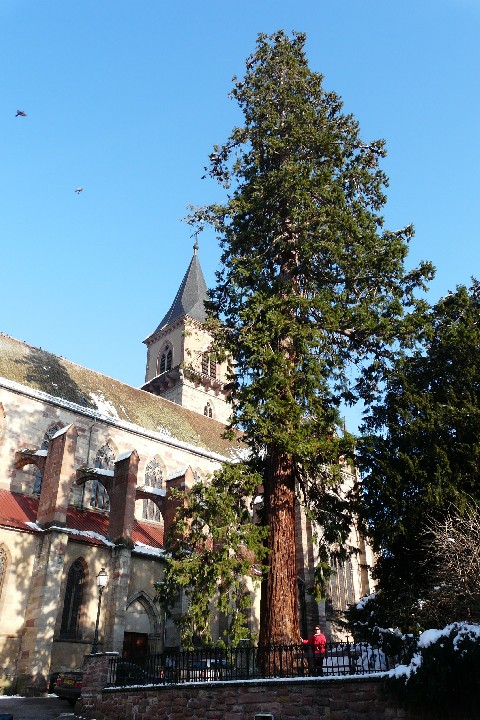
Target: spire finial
[[196, 245]]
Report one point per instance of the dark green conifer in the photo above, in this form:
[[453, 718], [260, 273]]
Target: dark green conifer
[[420, 455]]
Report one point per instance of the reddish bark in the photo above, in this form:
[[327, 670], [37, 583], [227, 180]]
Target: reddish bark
[[279, 601]]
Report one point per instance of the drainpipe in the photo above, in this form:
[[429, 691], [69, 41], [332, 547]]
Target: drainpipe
[[82, 502]]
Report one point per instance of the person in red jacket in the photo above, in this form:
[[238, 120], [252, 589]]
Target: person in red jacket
[[319, 644]]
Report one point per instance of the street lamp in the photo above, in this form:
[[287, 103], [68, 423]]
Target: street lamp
[[162, 584], [102, 580]]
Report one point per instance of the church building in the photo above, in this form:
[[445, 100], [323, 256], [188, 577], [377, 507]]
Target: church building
[[86, 466]]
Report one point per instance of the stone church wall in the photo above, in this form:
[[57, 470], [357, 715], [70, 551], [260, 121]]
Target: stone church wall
[[21, 550], [28, 419], [33, 589]]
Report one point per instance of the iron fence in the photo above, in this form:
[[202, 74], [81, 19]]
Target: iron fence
[[246, 662]]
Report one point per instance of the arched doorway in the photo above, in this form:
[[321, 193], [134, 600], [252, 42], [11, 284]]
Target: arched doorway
[[142, 629]]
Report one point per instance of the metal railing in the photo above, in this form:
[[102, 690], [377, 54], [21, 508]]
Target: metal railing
[[246, 662]]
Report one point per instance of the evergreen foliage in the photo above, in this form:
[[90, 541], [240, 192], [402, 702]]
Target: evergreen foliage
[[363, 621], [312, 299], [420, 454], [214, 548]]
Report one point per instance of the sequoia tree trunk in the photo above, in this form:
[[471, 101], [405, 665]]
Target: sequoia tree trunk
[[279, 598]]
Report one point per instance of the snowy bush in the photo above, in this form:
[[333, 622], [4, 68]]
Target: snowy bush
[[365, 625], [444, 674]]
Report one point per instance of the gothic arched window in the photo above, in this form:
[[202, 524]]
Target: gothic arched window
[[165, 360], [209, 365], [207, 410], [341, 590], [104, 460], [37, 485], [72, 605], [154, 479]]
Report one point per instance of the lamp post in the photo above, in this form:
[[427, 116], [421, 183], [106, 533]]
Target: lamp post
[[102, 580], [162, 584]]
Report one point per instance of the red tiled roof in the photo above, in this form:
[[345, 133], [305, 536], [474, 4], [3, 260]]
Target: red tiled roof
[[148, 534], [16, 510]]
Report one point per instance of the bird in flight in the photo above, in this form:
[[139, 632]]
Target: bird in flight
[[79, 190], [21, 113]]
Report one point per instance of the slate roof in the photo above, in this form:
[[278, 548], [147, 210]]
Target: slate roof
[[17, 510], [190, 298], [59, 378]]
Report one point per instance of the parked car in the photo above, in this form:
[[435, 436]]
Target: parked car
[[69, 685], [128, 673], [208, 669]]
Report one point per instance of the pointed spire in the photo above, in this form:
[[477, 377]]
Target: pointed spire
[[190, 298]]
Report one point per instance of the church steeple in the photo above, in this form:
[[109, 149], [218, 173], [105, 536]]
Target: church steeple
[[190, 298], [180, 365]]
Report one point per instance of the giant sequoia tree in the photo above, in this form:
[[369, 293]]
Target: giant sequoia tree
[[312, 293]]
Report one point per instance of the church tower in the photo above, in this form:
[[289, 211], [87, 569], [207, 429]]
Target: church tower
[[180, 365]]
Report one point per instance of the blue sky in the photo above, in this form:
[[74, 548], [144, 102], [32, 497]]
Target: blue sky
[[126, 99]]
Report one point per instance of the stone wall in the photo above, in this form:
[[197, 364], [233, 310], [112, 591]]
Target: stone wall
[[350, 698]]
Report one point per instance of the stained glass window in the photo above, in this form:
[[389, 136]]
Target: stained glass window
[[153, 478], [104, 460], [72, 604]]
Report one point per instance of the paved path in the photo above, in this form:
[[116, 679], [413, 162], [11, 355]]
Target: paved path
[[50, 707]]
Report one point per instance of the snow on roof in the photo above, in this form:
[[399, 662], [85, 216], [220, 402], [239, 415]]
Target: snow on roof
[[123, 456], [177, 473], [241, 454], [72, 531], [152, 490], [101, 471], [20, 511], [62, 431], [38, 374], [104, 406], [143, 549]]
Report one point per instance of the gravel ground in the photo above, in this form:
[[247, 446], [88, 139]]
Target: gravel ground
[[49, 707]]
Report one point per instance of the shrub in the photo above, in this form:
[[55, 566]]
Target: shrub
[[443, 677], [364, 621]]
